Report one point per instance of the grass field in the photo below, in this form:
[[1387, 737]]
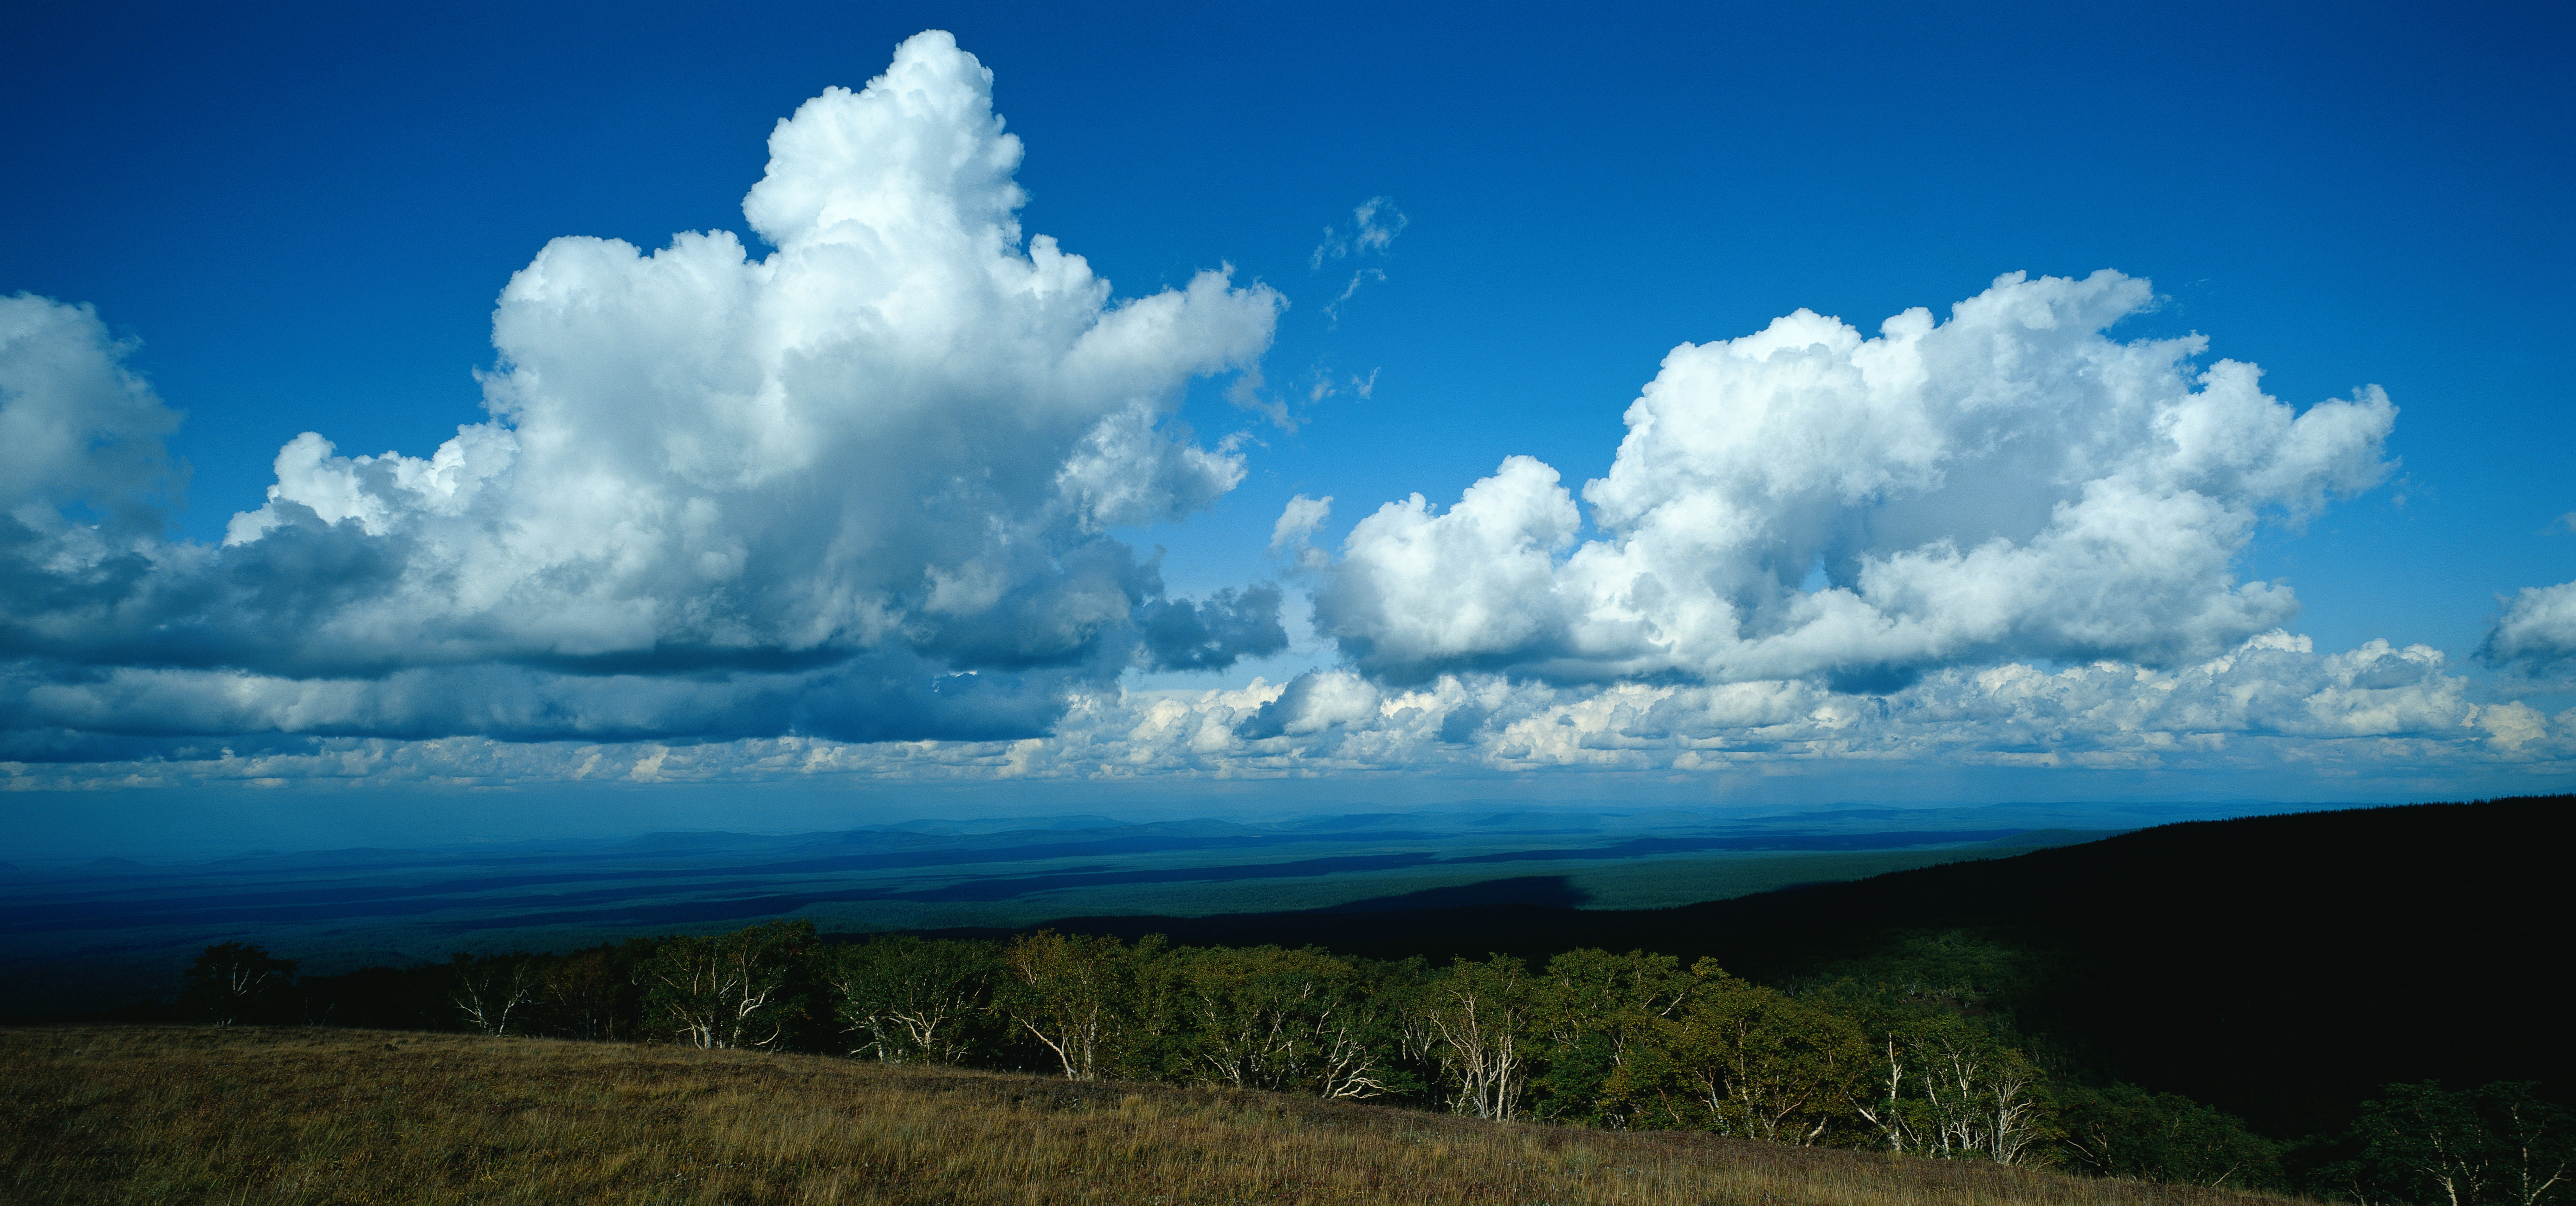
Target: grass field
[[170, 1114]]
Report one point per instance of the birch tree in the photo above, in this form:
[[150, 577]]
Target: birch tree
[[2534, 1144], [488, 991], [585, 995], [1073, 994], [1268, 1018], [913, 1000], [234, 982], [1599, 1013], [1480, 1018], [1760, 1064], [731, 990], [2126, 1131], [2500, 1143], [1937, 1086]]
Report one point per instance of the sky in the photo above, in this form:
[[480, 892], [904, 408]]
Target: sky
[[491, 422]]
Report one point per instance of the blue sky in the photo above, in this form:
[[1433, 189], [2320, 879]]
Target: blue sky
[[305, 216]]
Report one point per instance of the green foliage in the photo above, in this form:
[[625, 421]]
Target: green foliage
[[1741, 1059], [1267, 1018], [2497, 1145], [1962, 969], [1078, 996], [1601, 1015], [1480, 1024], [1942, 1085], [2126, 1131], [907, 1000], [731, 990], [1944, 1075]]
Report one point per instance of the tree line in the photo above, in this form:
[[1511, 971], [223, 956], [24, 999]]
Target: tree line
[[1634, 1041]]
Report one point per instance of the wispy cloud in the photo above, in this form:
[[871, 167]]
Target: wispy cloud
[[1372, 230]]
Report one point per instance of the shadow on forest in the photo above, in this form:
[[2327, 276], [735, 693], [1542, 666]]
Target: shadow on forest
[[1553, 891]]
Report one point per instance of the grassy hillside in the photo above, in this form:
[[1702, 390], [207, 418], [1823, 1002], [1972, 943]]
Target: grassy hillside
[[150, 1115]]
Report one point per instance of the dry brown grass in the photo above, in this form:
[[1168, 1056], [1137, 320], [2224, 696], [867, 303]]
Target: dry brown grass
[[150, 1115]]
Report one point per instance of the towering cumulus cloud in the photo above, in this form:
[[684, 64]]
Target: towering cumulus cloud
[[856, 488], [1806, 503]]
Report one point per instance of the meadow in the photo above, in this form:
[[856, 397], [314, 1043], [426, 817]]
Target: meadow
[[313, 1116]]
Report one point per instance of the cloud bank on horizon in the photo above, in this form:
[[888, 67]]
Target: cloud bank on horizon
[[845, 509]]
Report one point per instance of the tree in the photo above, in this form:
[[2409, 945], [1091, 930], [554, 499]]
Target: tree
[[1074, 994], [732, 990], [585, 995], [2126, 1131], [1599, 1013], [1268, 1018], [1479, 1016], [488, 990], [1758, 1063], [2500, 1143], [1938, 1085], [2534, 1143], [234, 982], [908, 999]]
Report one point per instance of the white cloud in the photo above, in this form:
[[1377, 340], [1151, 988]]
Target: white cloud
[[841, 511], [717, 494], [2009, 484], [1297, 523], [2536, 633], [1374, 225], [77, 430], [2377, 712]]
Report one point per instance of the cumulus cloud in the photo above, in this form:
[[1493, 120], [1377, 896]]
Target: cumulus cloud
[[857, 488], [2537, 632], [79, 434], [844, 509], [1805, 503]]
